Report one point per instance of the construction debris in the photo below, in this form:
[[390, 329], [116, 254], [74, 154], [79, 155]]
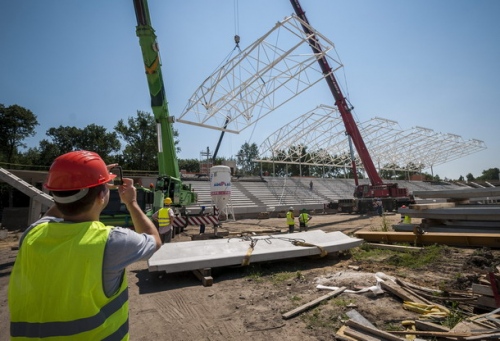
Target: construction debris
[[479, 327]]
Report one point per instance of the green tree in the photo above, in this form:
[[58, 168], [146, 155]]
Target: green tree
[[189, 165], [470, 177], [140, 135], [97, 139], [18, 123], [66, 139], [490, 174], [247, 153]]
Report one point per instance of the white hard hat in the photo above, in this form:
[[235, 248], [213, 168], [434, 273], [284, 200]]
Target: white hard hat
[[291, 208]]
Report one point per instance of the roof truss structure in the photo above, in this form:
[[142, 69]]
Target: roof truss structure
[[258, 80], [320, 134], [264, 77]]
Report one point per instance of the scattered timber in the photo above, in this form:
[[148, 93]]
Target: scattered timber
[[478, 327], [314, 303]]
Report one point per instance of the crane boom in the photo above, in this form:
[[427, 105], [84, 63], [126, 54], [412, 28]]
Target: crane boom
[[152, 65], [168, 183], [340, 101], [392, 196]]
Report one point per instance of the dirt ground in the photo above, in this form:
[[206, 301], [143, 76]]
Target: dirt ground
[[247, 303]]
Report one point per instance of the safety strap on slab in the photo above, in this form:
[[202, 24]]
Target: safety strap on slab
[[246, 259], [253, 242], [323, 252]]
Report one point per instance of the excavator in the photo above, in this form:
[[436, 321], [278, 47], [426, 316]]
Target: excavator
[[391, 195]]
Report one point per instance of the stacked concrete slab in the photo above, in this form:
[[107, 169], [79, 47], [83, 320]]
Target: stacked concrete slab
[[460, 213]]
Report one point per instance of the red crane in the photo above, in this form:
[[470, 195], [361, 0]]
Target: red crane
[[391, 195]]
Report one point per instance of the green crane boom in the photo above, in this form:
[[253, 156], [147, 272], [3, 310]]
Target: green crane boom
[[168, 182]]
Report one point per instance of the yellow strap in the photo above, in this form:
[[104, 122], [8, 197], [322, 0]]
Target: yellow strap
[[323, 252], [246, 259]]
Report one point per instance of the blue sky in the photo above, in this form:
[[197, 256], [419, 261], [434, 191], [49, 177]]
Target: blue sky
[[427, 63]]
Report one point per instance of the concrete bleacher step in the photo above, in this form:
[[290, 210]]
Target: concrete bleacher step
[[283, 192]]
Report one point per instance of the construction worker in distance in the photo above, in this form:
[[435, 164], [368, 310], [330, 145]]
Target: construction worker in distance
[[69, 280], [405, 219], [377, 204], [304, 217], [290, 220], [165, 218]]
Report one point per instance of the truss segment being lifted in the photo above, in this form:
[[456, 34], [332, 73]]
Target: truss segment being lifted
[[258, 80]]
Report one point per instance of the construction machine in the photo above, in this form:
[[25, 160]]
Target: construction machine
[[391, 195], [168, 183]]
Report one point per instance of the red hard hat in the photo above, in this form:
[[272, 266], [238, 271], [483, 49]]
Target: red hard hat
[[77, 170]]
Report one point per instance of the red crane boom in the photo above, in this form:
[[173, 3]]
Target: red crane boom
[[394, 196]]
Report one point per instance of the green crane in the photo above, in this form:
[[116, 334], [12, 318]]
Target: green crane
[[168, 183]]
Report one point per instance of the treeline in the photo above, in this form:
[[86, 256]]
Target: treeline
[[132, 143]]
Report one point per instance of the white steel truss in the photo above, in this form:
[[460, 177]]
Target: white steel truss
[[264, 77], [259, 79], [317, 138]]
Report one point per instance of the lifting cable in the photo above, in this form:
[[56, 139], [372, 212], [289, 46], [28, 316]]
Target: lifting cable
[[268, 240], [236, 25]]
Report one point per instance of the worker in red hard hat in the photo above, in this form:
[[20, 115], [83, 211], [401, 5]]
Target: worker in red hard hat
[[69, 280]]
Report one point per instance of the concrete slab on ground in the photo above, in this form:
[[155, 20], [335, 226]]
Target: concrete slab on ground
[[193, 255]]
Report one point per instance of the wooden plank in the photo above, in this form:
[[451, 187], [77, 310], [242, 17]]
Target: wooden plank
[[207, 281], [340, 334], [377, 332], [430, 326], [495, 336], [482, 289], [430, 333], [357, 335], [396, 290], [311, 304], [395, 247], [486, 301], [421, 207]]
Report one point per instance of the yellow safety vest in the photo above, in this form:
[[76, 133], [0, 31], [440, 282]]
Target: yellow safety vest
[[56, 289], [303, 217], [163, 217], [407, 220], [289, 218]]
